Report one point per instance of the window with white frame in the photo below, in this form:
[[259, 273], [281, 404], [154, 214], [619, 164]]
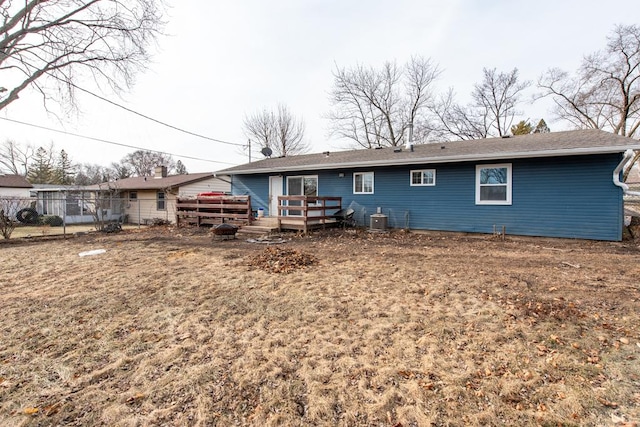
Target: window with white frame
[[423, 177], [363, 183], [493, 184]]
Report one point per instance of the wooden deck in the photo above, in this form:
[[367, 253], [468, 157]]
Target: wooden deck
[[212, 210], [307, 212]]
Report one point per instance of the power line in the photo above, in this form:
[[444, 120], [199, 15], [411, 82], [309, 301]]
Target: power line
[[68, 82], [112, 142]]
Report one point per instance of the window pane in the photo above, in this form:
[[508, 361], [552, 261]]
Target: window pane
[[311, 186], [295, 186], [427, 177], [416, 178], [493, 176], [368, 183], [498, 192], [161, 202], [73, 204], [358, 179]]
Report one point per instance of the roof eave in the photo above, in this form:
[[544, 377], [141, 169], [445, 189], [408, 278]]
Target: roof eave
[[442, 159]]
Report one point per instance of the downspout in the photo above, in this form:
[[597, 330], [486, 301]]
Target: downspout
[[628, 155]]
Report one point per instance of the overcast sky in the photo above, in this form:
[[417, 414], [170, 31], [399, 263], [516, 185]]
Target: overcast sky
[[223, 60]]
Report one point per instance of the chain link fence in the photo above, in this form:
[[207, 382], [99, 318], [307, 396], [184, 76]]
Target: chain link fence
[[54, 214]]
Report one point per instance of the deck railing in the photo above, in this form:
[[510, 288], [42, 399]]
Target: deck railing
[[306, 212], [212, 210]]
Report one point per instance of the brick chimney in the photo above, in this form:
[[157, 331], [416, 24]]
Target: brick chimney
[[161, 172]]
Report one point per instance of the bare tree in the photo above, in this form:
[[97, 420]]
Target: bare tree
[[373, 107], [492, 111], [497, 98], [457, 121], [604, 93], [278, 130], [63, 39], [143, 162], [14, 158]]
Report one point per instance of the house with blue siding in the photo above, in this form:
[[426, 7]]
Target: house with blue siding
[[560, 184]]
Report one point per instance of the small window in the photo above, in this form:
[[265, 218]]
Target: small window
[[493, 184], [423, 177], [133, 195], [363, 183], [160, 201]]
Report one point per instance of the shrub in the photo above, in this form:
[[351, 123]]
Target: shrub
[[7, 225], [52, 220]]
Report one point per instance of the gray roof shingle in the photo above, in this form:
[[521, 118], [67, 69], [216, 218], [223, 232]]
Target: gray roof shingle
[[566, 143], [14, 181], [152, 183]]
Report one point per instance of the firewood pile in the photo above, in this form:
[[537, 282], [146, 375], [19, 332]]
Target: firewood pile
[[280, 260]]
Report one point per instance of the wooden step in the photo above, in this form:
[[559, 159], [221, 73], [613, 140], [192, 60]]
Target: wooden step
[[257, 229]]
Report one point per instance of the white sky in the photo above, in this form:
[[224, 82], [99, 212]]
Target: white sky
[[223, 60]]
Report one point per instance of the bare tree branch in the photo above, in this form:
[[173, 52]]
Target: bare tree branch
[[372, 107], [491, 113], [605, 91], [61, 40], [14, 158], [278, 130]]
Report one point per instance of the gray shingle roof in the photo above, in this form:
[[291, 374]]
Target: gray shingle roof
[[567, 143], [152, 183], [14, 181]]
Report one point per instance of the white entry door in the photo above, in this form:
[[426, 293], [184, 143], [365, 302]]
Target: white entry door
[[275, 190]]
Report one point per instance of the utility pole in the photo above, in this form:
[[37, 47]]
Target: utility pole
[[249, 140]]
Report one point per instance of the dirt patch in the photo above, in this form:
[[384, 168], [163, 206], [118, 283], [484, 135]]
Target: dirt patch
[[168, 327]]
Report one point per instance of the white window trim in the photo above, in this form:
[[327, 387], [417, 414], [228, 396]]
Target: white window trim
[[373, 182], [422, 184], [508, 184]]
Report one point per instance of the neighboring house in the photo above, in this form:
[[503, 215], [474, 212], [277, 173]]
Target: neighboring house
[[632, 200], [76, 205], [149, 198], [14, 194], [14, 186], [633, 180], [556, 184]]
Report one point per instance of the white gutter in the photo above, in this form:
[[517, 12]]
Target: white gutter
[[628, 155]]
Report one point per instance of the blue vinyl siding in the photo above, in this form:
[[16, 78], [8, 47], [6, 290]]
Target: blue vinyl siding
[[256, 186], [556, 197]]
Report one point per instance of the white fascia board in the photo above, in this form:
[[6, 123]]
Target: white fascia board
[[444, 159]]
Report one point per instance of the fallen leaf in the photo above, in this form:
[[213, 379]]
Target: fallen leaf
[[607, 403], [52, 409], [31, 411], [624, 340], [426, 386], [135, 398]]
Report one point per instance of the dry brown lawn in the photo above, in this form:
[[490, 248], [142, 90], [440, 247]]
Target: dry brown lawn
[[168, 327]]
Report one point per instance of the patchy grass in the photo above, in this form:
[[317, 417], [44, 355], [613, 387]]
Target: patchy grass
[[36, 231], [171, 328]]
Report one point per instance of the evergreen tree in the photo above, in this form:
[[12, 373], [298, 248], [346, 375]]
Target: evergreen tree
[[181, 168], [522, 128], [65, 170], [41, 170], [542, 127]]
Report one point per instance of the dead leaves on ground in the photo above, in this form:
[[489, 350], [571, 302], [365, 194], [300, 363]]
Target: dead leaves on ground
[[280, 260]]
